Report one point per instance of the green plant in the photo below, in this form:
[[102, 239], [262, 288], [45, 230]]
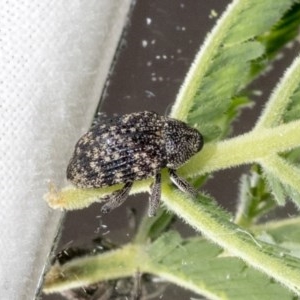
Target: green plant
[[246, 255]]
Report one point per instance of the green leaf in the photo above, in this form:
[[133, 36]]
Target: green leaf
[[151, 228], [194, 263], [283, 32], [282, 231], [279, 169], [293, 194], [255, 199], [224, 65], [285, 233], [227, 74], [292, 111], [276, 188], [211, 221], [293, 156], [265, 14], [213, 275]]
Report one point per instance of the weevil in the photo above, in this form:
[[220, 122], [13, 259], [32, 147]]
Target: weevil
[[136, 146]]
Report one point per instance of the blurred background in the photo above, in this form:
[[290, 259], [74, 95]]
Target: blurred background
[[156, 50]]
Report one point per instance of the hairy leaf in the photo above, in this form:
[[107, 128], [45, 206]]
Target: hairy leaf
[[211, 273], [283, 32], [255, 198], [226, 68]]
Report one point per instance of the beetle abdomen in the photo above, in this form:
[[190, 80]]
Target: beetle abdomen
[[119, 150]]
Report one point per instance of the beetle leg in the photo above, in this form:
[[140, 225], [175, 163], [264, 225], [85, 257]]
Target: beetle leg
[[116, 198], [182, 184], [154, 199]]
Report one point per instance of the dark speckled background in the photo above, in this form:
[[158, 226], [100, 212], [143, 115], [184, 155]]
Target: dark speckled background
[[156, 51]]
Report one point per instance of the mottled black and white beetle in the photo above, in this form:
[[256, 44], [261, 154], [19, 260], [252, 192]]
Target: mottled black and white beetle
[[132, 147]]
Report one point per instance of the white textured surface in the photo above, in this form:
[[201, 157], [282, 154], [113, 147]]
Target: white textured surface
[[54, 58]]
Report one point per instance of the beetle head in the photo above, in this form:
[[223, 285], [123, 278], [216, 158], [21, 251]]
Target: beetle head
[[182, 142]]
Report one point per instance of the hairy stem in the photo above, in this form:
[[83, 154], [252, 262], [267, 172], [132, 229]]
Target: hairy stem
[[206, 219], [248, 148], [281, 169], [245, 149], [276, 106]]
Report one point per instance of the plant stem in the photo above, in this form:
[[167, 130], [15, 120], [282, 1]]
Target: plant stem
[[244, 149], [91, 269], [281, 169], [242, 244], [276, 106]]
